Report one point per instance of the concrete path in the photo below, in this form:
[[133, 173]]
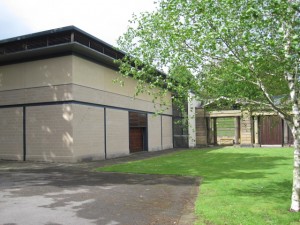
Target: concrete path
[[58, 193]]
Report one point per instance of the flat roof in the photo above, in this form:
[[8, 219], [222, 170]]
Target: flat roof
[[56, 42]]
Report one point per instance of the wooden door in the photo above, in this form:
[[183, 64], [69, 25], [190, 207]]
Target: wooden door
[[271, 130], [136, 139]]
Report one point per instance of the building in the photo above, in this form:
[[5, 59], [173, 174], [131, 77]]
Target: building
[[242, 128], [58, 101]]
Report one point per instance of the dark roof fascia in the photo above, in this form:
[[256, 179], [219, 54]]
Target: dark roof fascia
[[68, 48], [72, 48], [37, 34], [57, 30]]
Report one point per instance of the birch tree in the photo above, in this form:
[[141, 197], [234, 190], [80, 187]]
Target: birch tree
[[246, 52]]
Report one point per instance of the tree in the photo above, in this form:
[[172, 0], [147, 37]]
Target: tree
[[246, 52]]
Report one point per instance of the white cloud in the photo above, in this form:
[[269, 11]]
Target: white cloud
[[105, 19], [10, 23]]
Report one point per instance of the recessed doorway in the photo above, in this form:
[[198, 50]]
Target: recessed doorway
[[137, 132]]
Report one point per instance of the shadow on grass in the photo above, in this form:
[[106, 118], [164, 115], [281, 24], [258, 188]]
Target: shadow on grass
[[272, 190], [210, 164]]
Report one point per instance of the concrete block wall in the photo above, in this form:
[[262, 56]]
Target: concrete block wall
[[37, 95], [117, 133], [74, 112], [74, 132], [167, 132], [88, 132], [11, 133], [154, 132], [65, 133], [94, 83], [71, 78], [49, 133], [87, 94], [38, 73]]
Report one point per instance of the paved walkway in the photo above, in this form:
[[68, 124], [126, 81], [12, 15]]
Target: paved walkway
[[61, 193]]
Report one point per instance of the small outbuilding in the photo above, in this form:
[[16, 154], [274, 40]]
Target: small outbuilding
[[58, 101], [242, 128]]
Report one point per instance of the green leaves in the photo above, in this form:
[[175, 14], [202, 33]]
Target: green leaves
[[236, 49]]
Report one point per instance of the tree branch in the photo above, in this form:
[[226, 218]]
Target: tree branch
[[236, 55], [269, 99], [240, 101]]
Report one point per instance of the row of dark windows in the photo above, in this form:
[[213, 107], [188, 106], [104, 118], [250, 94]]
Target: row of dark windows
[[56, 39], [137, 119]]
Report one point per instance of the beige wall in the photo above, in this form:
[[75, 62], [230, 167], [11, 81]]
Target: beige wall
[[154, 132], [35, 95], [46, 72], [201, 128], [98, 77], [11, 134], [88, 132], [47, 80], [85, 94], [49, 133], [167, 133], [117, 133], [192, 121], [246, 128], [71, 132]]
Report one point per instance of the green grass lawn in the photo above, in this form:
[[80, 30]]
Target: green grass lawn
[[241, 186]]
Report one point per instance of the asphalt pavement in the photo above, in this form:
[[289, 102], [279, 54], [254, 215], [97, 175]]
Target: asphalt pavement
[[33, 193]]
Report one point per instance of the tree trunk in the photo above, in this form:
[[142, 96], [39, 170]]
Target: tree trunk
[[295, 205], [292, 79]]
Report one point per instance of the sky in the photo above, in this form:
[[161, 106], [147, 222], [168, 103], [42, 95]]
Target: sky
[[104, 19]]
